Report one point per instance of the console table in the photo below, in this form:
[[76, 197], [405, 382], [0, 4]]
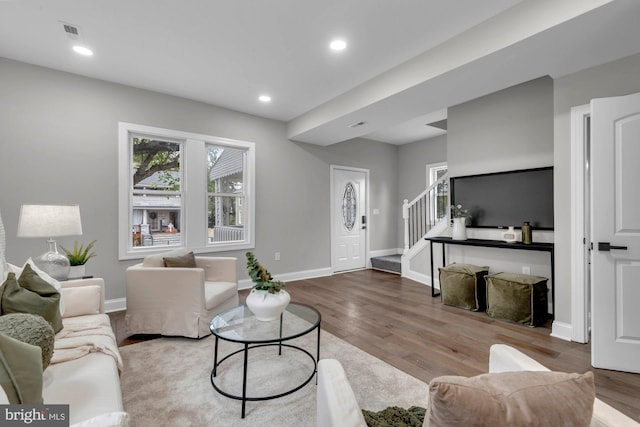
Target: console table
[[444, 241]]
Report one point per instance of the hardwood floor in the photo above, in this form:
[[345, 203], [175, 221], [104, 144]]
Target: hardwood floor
[[397, 320]]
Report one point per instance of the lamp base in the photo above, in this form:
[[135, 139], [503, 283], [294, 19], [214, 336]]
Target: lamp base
[[53, 263]]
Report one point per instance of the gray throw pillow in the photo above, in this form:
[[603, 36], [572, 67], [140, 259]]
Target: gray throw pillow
[[31, 294]]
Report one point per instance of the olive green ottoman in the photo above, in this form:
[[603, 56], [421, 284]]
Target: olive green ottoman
[[463, 285], [518, 298]]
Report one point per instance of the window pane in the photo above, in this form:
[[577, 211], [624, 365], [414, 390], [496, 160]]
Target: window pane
[[157, 204], [226, 170], [225, 218], [156, 164], [155, 225]]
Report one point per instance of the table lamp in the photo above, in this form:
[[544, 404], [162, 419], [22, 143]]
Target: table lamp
[[50, 221]]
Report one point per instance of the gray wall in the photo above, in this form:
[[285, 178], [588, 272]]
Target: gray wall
[[616, 78], [59, 144], [507, 130], [412, 172]]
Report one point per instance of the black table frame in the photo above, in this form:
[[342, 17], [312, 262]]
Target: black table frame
[[265, 343], [542, 247]]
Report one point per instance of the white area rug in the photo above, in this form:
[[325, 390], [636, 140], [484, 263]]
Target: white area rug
[[166, 382]]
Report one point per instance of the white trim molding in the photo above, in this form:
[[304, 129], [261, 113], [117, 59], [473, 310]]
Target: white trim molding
[[579, 279], [561, 330]]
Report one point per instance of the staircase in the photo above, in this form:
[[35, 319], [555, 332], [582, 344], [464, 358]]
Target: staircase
[[426, 215], [389, 263]]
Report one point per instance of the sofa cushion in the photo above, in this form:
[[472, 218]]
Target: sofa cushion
[[187, 260], [82, 300], [31, 329], [111, 419], [512, 398], [215, 293], [20, 371], [90, 386], [157, 259], [31, 294]]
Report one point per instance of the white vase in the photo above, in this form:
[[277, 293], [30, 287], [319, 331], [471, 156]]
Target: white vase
[[76, 271], [266, 306], [459, 229]]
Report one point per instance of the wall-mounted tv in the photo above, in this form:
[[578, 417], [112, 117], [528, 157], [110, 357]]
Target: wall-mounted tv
[[498, 200]]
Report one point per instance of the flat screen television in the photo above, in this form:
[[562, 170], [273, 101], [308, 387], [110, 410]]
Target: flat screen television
[[498, 200]]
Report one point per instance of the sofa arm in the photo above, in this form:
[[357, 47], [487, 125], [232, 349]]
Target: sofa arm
[[74, 305], [503, 358], [336, 403], [218, 269]]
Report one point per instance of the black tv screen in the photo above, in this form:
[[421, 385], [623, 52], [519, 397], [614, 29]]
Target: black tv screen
[[498, 200]]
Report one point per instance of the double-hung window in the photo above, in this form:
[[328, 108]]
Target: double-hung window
[[180, 189]]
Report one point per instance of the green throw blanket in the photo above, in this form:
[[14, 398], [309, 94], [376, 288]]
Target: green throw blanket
[[394, 416]]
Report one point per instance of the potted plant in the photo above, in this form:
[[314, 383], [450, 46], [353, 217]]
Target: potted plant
[[267, 299], [459, 216], [78, 257]]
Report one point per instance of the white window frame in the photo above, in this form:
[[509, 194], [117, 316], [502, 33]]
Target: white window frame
[[194, 191], [432, 177]]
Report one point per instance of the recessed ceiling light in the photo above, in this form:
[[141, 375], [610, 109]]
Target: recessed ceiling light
[[338, 45], [264, 98], [82, 50]]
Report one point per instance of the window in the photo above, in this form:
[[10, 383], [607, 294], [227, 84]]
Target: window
[[440, 194], [178, 189]]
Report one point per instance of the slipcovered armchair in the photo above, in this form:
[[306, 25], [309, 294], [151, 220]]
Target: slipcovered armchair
[[179, 301]]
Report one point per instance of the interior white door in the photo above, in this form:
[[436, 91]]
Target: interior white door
[[348, 219], [615, 225]]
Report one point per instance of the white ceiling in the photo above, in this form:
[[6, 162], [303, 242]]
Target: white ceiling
[[227, 53]]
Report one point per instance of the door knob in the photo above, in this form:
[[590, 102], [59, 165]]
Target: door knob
[[606, 247]]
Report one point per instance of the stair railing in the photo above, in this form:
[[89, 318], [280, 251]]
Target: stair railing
[[423, 212]]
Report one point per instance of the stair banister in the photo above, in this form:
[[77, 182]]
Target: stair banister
[[417, 214]]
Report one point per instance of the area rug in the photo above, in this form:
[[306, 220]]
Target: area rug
[[166, 382]]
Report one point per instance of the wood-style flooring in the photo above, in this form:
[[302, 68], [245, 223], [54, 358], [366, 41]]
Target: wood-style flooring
[[396, 320]]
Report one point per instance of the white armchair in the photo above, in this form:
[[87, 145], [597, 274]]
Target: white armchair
[[179, 301]]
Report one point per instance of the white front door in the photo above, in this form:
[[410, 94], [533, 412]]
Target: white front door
[[615, 225], [348, 219]]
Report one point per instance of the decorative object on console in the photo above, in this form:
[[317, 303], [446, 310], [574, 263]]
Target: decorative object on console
[[526, 233], [459, 216], [267, 300], [50, 221], [78, 257], [510, 235]]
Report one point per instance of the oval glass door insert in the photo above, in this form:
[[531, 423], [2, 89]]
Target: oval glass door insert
[[349, 207]]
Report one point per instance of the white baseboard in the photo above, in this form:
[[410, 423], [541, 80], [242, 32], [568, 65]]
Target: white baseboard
[[385, 252], [421, 278], [118, 304], [561, 330]]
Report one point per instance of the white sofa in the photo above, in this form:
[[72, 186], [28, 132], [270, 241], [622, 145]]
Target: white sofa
[[89, 384], [337, 405], [84, 372], [179, 301]]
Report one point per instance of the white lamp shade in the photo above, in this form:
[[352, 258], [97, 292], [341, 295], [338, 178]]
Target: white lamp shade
[[49, 221]]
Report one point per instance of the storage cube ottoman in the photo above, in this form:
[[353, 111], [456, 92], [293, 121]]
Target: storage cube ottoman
[[463, 285], [518, 298]]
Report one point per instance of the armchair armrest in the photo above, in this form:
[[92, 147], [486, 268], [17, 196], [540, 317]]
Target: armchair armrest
[[77, 283], [218, 269]]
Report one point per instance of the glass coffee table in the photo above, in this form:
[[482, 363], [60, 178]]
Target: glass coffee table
[[239, 325]]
